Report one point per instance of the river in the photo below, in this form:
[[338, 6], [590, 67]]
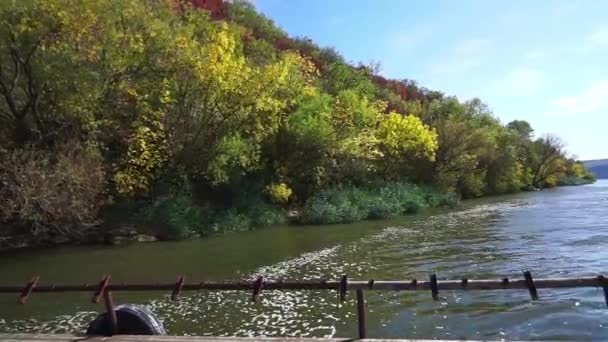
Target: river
[[557, 232]]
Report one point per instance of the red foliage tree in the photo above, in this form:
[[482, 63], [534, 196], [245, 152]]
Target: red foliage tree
[[215, 7]]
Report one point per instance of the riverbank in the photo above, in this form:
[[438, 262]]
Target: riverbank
[[575, 181], [178, 217]]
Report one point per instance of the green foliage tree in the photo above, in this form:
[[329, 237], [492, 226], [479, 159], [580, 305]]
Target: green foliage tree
[[548, 161], [155, 103]]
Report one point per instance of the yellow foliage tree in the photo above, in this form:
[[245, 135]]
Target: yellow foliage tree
[[406, 137], [403, 140], [227, 106]]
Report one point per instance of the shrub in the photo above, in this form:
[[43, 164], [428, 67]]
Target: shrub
[[231, 221], [373, 202], [175, 218], [450, 199], [406, 197], [319, 210], [263, 215], [349, 211], [279, 193], [248, 200], [574, 180], [51, 196]]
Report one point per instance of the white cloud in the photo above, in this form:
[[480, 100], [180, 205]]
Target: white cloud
[[454, 67], [511, 18], [471, 47], [406, 40], [337, 20], [463, 57], [565, 9], [520, 82], [599, 37], [593, 98], [534, 55]]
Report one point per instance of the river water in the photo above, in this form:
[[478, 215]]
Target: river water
[[554, 233]]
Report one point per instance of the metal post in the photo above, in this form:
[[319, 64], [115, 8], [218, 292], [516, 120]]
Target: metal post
[[530, 284], [604, 283], [434, 286], [361, 314], [107, 297]]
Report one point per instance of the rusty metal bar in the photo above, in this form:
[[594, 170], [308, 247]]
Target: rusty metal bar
[[434, 286], [101, 288], [109, 303], [531, 285], [604, 283], [27, 290], [361, 319], [178, 288], [384, 285], [343, 288], [257, 288]]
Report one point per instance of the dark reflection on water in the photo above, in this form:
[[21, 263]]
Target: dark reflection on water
[[561, 232]]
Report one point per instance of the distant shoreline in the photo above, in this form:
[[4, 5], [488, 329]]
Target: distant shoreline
[[599, 167]]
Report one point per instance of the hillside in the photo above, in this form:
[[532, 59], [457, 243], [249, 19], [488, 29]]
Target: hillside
[[599, 167], [195, 120]]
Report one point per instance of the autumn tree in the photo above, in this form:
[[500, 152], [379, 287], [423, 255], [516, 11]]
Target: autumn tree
[[548, 161]]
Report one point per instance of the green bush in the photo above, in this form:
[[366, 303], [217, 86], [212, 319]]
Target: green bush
[[250, 204], [278, 193], [573, 180], [451, 200], [319, 210], [408, 198], [232, 221], [263, 214], [350, 212], [175, 217], [382, 209], [374, 202]]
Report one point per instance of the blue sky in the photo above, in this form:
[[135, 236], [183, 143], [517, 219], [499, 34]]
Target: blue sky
[[542, 61]]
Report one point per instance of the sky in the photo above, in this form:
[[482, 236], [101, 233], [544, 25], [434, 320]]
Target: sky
[[541, 61]]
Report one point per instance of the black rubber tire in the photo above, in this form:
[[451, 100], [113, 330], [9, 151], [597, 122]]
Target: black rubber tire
[[132, 320]]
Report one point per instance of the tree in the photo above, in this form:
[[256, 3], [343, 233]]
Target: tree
[[25, 30], [506, 173], [522, 128], [170, 104], [299, 151], [548, 161], [403, 140], [457, 161]]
